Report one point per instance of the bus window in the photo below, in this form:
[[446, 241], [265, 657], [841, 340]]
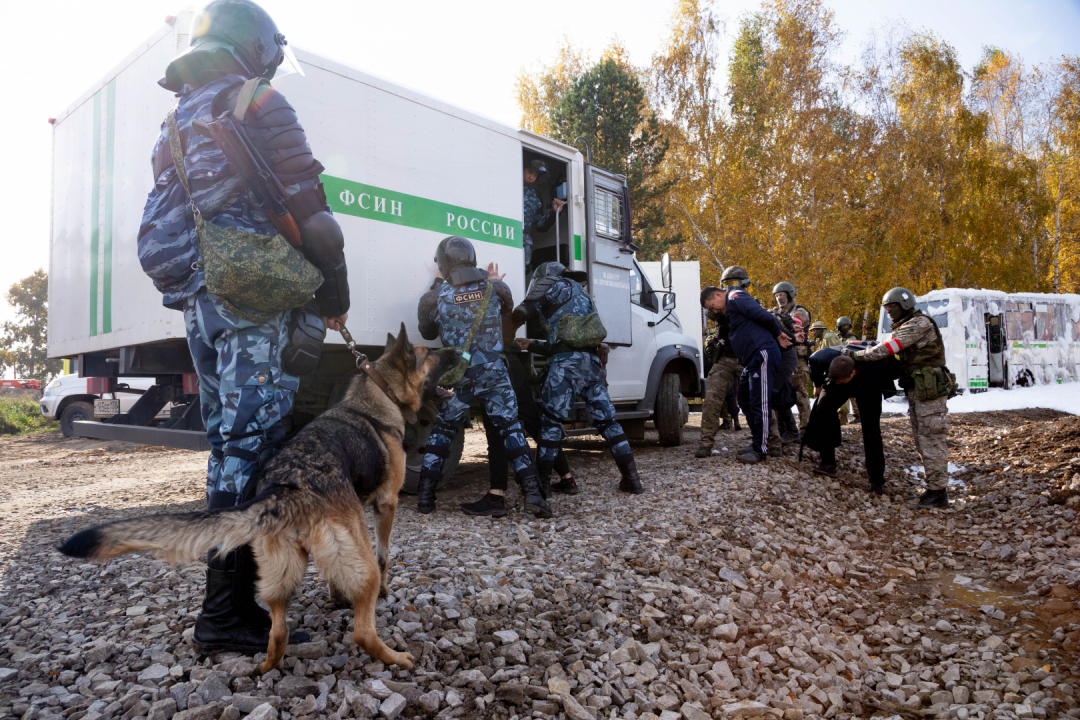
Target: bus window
[[1046, 326]]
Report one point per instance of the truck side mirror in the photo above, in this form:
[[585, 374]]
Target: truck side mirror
[[665, 272], [669, 301]]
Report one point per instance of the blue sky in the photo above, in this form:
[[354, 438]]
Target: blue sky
[[467, 52]]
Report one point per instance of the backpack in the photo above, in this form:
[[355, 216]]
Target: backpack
[[579, 324]]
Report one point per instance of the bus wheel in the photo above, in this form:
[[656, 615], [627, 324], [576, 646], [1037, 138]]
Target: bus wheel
[[668, 413]]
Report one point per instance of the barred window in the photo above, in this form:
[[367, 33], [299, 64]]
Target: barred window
[[609, 213]]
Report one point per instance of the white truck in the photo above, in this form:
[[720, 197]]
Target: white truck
[[1005, 340], [403, 170]]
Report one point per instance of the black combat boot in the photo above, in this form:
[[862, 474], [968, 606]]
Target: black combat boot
[[567, 486], [826, 470], [530, 490], [703, 452], [231, 619], [543, 478], [490, 505], [726, 425], [750, 456], [934, 499], [429, 481], [877, 487], [631, 481], [735, 424]]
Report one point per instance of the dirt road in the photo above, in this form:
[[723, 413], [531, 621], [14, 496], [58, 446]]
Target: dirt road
[[725, 591]]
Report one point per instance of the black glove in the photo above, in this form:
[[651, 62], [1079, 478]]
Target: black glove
[[851, 351]]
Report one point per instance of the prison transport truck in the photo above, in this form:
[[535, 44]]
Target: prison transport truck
[[403, 170], [1004, 340]]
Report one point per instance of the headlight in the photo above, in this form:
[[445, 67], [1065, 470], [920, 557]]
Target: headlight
[[53, 384]]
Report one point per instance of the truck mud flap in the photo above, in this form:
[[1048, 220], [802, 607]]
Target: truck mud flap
[[182, 439]]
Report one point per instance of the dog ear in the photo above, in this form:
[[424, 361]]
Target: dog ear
[[390, 343], [402, 349]]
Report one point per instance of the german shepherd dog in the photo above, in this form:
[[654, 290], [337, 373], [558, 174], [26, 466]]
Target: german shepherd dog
[[310, 499]]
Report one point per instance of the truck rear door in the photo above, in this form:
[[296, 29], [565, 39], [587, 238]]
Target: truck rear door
[[607, 203]]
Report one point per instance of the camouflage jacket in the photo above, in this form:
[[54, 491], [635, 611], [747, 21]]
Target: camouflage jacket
[[828, 339], [800, 315], [167, 247], [915, 342], [447, 311], [553, 298], [534, 217]]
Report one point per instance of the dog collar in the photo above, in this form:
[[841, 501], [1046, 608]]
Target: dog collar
[[363, 363]]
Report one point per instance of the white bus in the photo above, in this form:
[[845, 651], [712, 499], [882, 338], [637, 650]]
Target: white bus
[[997, 339]]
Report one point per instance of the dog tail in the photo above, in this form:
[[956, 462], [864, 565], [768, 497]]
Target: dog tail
[[181, 537]]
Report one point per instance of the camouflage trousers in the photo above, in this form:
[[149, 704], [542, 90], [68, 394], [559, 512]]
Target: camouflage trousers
[[243, 390], [800, 380], [930, 428], [569, 375], [723, 376], [489, 384], [842, 413]]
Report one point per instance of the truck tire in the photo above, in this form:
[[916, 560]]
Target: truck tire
[[413, 462], [73, 412], [668, 413]]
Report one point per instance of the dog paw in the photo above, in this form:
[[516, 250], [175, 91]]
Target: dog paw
[[265, 667], [384, 590], [403, 660]]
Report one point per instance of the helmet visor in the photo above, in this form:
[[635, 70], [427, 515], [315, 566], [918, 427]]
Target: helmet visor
[[289, 64]]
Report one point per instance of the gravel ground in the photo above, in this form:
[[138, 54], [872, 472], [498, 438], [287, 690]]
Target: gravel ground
[[725, 591]]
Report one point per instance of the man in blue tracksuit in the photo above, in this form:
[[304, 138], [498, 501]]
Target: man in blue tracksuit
[[756, 337]]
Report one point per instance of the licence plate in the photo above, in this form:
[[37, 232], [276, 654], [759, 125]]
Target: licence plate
[[106, 407]]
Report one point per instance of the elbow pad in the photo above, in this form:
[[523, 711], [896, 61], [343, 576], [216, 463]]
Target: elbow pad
[[324, 244]]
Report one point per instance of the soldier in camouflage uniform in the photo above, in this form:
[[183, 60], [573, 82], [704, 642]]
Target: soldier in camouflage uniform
[[800, 378], [843, 331], [448, 311], [244, 391], [723, 376], [821, 337], [916, 343], [535, 219], [571, 371]]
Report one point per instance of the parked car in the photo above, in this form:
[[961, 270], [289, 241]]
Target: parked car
[[67, 399]]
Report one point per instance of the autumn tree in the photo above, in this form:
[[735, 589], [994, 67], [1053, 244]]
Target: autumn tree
[[23, 346]]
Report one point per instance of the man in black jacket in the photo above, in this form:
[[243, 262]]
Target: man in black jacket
[[836, 379]]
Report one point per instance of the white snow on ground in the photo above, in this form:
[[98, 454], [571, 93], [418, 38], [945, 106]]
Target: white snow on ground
[[917, 470], [1064, 397]]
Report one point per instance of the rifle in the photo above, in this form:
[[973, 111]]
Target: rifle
[[264, 185]]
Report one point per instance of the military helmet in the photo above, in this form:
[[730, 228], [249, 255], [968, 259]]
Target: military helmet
[[239, 28], [785, 287], [735, 275], [842, 321], [454, 251], [548, 269], [818, 325], [901, 296]]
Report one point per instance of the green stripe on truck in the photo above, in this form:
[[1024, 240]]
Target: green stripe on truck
[[347, 197]]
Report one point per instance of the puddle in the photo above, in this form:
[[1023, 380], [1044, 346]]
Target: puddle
[[975, 593]]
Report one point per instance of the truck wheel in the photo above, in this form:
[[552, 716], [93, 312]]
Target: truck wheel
[[72, 413], [415, 460], [668, 415]]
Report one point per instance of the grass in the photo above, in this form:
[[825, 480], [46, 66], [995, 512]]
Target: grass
[[21, 415]]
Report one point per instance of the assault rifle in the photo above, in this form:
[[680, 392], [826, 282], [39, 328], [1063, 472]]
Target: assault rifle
[[264, 185]]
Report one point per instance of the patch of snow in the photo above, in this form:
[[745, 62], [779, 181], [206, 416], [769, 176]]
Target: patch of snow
[[916, 470], [1064, 397]]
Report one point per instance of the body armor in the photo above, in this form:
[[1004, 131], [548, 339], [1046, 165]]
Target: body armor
[[932, 354]]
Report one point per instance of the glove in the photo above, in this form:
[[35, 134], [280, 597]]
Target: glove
[[850, 351]]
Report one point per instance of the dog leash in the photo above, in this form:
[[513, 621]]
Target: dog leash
[[363, 363]]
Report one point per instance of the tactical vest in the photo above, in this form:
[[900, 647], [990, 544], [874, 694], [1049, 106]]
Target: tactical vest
[[579, 305], [932, 354], [457, 307], [787, 318]]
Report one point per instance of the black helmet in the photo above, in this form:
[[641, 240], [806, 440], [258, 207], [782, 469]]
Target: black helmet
[[902, 296], [224, 30], [843, 321], [785, 287], [454, 251], [735, 275]]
